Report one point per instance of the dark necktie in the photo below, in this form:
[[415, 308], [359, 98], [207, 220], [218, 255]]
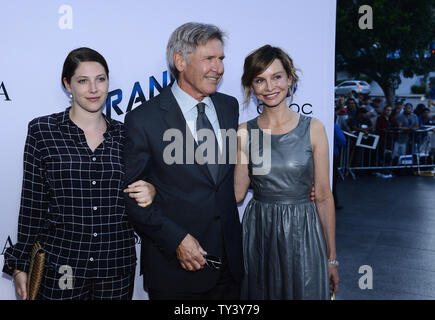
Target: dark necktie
[[202, 122]]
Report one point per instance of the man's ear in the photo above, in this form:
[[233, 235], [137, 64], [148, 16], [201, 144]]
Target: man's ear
[[179, 61]]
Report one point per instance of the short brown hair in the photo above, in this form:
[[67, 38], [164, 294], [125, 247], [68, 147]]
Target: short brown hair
[[259, 60]]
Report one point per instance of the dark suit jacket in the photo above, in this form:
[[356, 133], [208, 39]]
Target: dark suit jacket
[[187, 200]]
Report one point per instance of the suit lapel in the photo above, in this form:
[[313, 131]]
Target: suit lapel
[[223, 124], [175, 120]]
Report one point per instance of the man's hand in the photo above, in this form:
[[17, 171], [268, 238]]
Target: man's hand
[[312, 194], [190, 254]]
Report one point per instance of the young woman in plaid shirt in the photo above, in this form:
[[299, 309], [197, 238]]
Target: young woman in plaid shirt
[[72, 198]]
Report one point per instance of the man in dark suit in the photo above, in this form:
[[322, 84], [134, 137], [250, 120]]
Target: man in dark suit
[[194, 212]]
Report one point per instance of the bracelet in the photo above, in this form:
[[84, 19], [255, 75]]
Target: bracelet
[[334, 262]]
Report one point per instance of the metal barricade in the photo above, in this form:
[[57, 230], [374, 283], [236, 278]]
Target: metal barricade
[[383, 152]]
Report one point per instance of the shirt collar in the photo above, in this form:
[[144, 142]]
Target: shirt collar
[[63, 118], [186, 101]]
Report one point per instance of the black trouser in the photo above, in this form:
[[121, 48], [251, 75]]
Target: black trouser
[[225, 289]]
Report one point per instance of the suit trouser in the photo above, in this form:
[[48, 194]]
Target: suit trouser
[[116, 288], [225, 289]]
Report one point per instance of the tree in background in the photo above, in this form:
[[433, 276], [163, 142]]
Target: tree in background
[[402, 40]]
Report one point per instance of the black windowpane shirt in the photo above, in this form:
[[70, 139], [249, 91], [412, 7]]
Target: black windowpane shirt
[[72, 201]]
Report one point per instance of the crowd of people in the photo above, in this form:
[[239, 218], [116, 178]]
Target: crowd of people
[[399, 127]]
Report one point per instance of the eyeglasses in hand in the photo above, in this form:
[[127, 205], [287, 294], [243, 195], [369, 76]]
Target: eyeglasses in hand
[[213, 261]]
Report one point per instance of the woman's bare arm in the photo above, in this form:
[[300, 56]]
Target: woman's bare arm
[[324, 199], [241, 172]]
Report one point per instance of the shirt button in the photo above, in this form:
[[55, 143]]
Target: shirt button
[[94, 182], [91, 259], [95, 234], [95, 208], [94, 159]]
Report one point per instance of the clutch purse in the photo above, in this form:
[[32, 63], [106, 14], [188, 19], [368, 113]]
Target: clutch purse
[[35, 271]]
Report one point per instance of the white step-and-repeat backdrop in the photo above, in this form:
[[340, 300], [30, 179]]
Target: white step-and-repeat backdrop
[[132, 35]]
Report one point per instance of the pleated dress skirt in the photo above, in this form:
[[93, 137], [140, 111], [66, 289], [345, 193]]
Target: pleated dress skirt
[[284, 252]]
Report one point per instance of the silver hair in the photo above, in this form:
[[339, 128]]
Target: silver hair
[[187, 37]]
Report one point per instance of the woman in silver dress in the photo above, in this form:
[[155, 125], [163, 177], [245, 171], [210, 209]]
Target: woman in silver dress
[[288, 241]]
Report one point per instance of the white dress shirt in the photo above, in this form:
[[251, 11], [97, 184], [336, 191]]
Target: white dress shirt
[[190, 112]]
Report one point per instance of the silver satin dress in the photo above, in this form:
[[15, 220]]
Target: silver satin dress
[[283, 243]]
